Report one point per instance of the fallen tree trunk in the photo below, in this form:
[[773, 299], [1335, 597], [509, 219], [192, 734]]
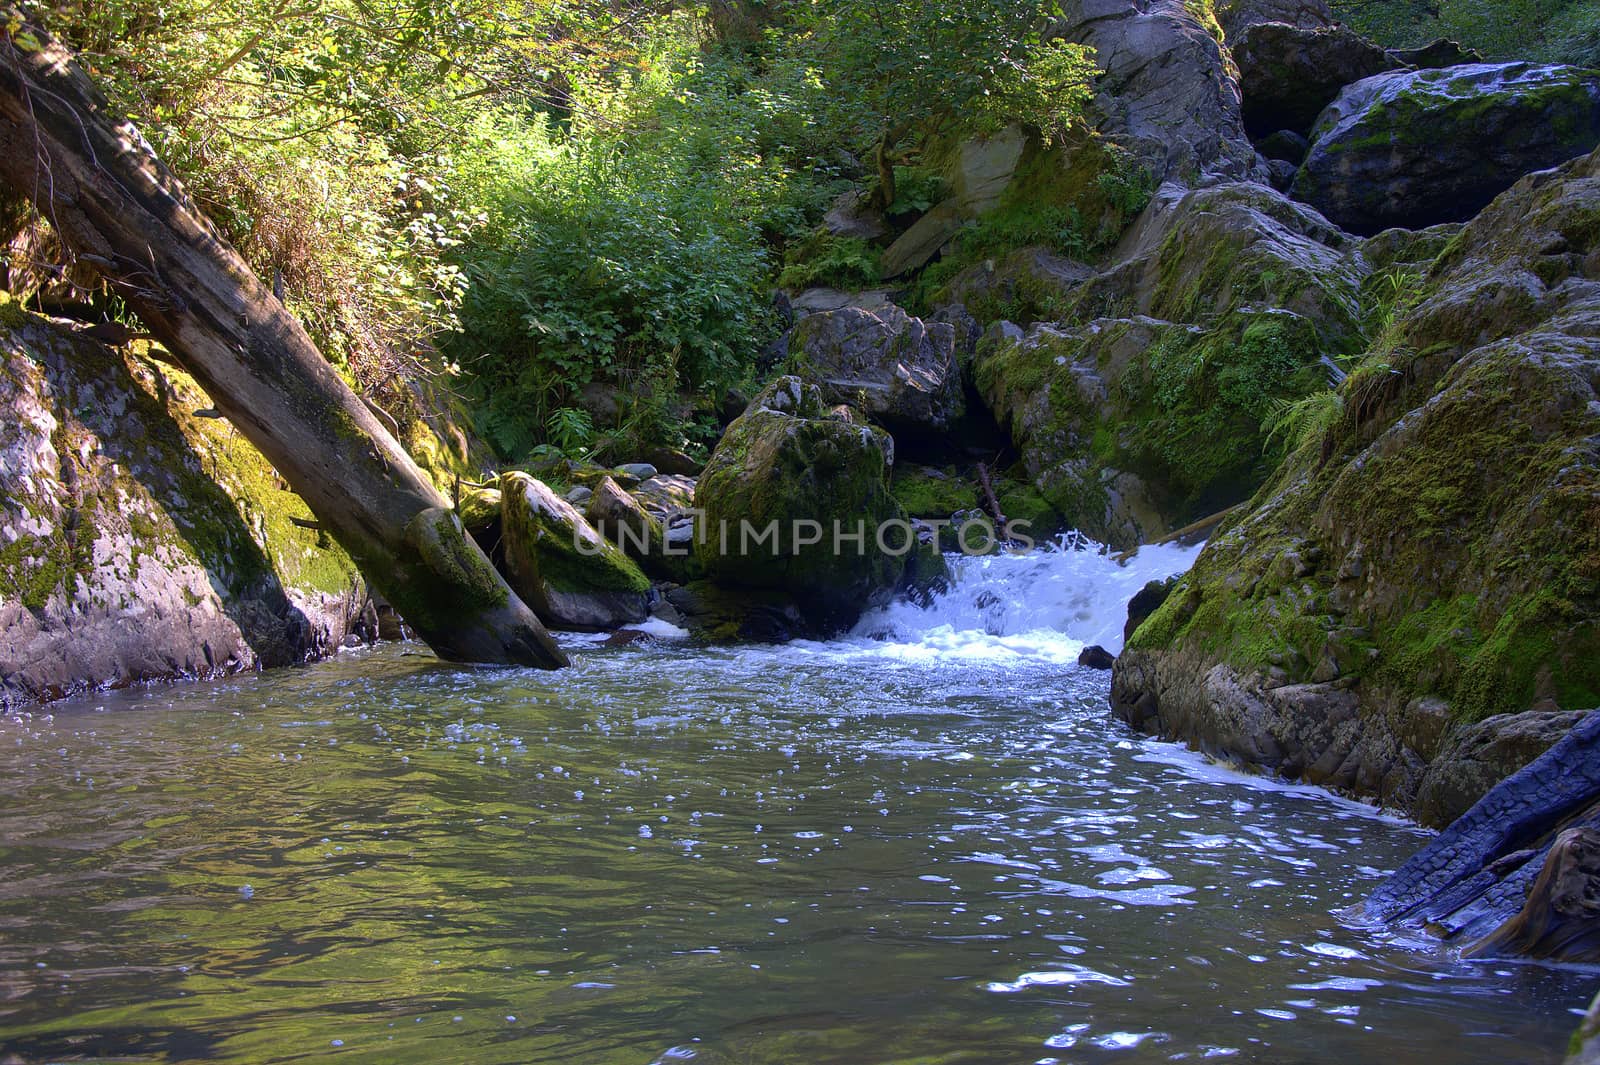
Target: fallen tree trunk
[[96, 180]]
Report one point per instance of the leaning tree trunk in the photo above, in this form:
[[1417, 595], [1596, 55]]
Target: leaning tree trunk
[[97, 181]]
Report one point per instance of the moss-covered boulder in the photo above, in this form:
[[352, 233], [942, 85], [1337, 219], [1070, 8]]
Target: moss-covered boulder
[[1429, 557], [1414, 148], [570, 575], [1133, 427], [139, 541], [793, 499]]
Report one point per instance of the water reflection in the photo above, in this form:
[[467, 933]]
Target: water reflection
[[829, 854]]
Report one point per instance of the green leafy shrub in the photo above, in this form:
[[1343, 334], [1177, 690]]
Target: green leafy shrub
[[835, 262]]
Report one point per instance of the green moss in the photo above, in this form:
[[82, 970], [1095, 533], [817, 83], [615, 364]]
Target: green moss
[[925, 493]]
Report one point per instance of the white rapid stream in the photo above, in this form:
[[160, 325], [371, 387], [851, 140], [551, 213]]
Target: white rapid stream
[[1045, 605]]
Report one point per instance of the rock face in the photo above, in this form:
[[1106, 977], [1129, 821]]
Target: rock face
[[1167, 92], [1237, 16], [1431, 558], [1414, 148], [1147, 414], [789, 479], [1288, 75], [900, 370], [561, 567], [1519, 872], [138, 542]]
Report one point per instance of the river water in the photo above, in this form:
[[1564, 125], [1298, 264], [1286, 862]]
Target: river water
[[929, 842]]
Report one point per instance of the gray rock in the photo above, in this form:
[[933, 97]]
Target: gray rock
[[1237, 16], [852, 216], [1167, 92], [1414, 149], [138, 542], [1097, 658], [578, 495], [898, 369], [642, 471]]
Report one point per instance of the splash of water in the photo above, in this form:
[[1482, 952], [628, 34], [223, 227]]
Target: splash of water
[[1045, 605]]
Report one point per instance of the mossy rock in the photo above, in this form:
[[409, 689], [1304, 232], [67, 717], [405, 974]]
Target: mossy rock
[[1431, 560], [138, 541], [566, 571], [787, 490]]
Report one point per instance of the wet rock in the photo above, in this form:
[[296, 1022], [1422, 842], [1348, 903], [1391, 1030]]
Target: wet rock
[[787, 491], [900, 370], [714, 614], [1442, 625], [1416, 148], [1146, 602], [561, 567], [137, 541], [1288, 75], [1097, 658]]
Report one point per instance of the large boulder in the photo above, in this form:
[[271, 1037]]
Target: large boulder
[[1425, 568], [570, 575], [901, 370], [139, 542], [787, 490], [1132, 427], [1288, 75], [1415, 148], [1140, 408], [1168, 90], [1237, 16]]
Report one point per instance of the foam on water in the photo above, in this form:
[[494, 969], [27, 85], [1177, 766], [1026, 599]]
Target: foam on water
[[1044, 606]]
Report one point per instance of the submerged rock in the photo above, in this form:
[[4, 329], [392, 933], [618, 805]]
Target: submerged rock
[[1424, 569], [1097, 658], [785, 496], [1415, 148], [137, 541], [561, 567]]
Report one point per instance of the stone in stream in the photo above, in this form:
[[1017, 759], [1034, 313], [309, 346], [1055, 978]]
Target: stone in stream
[[785, 483], [1097, 658], [561, 566]]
